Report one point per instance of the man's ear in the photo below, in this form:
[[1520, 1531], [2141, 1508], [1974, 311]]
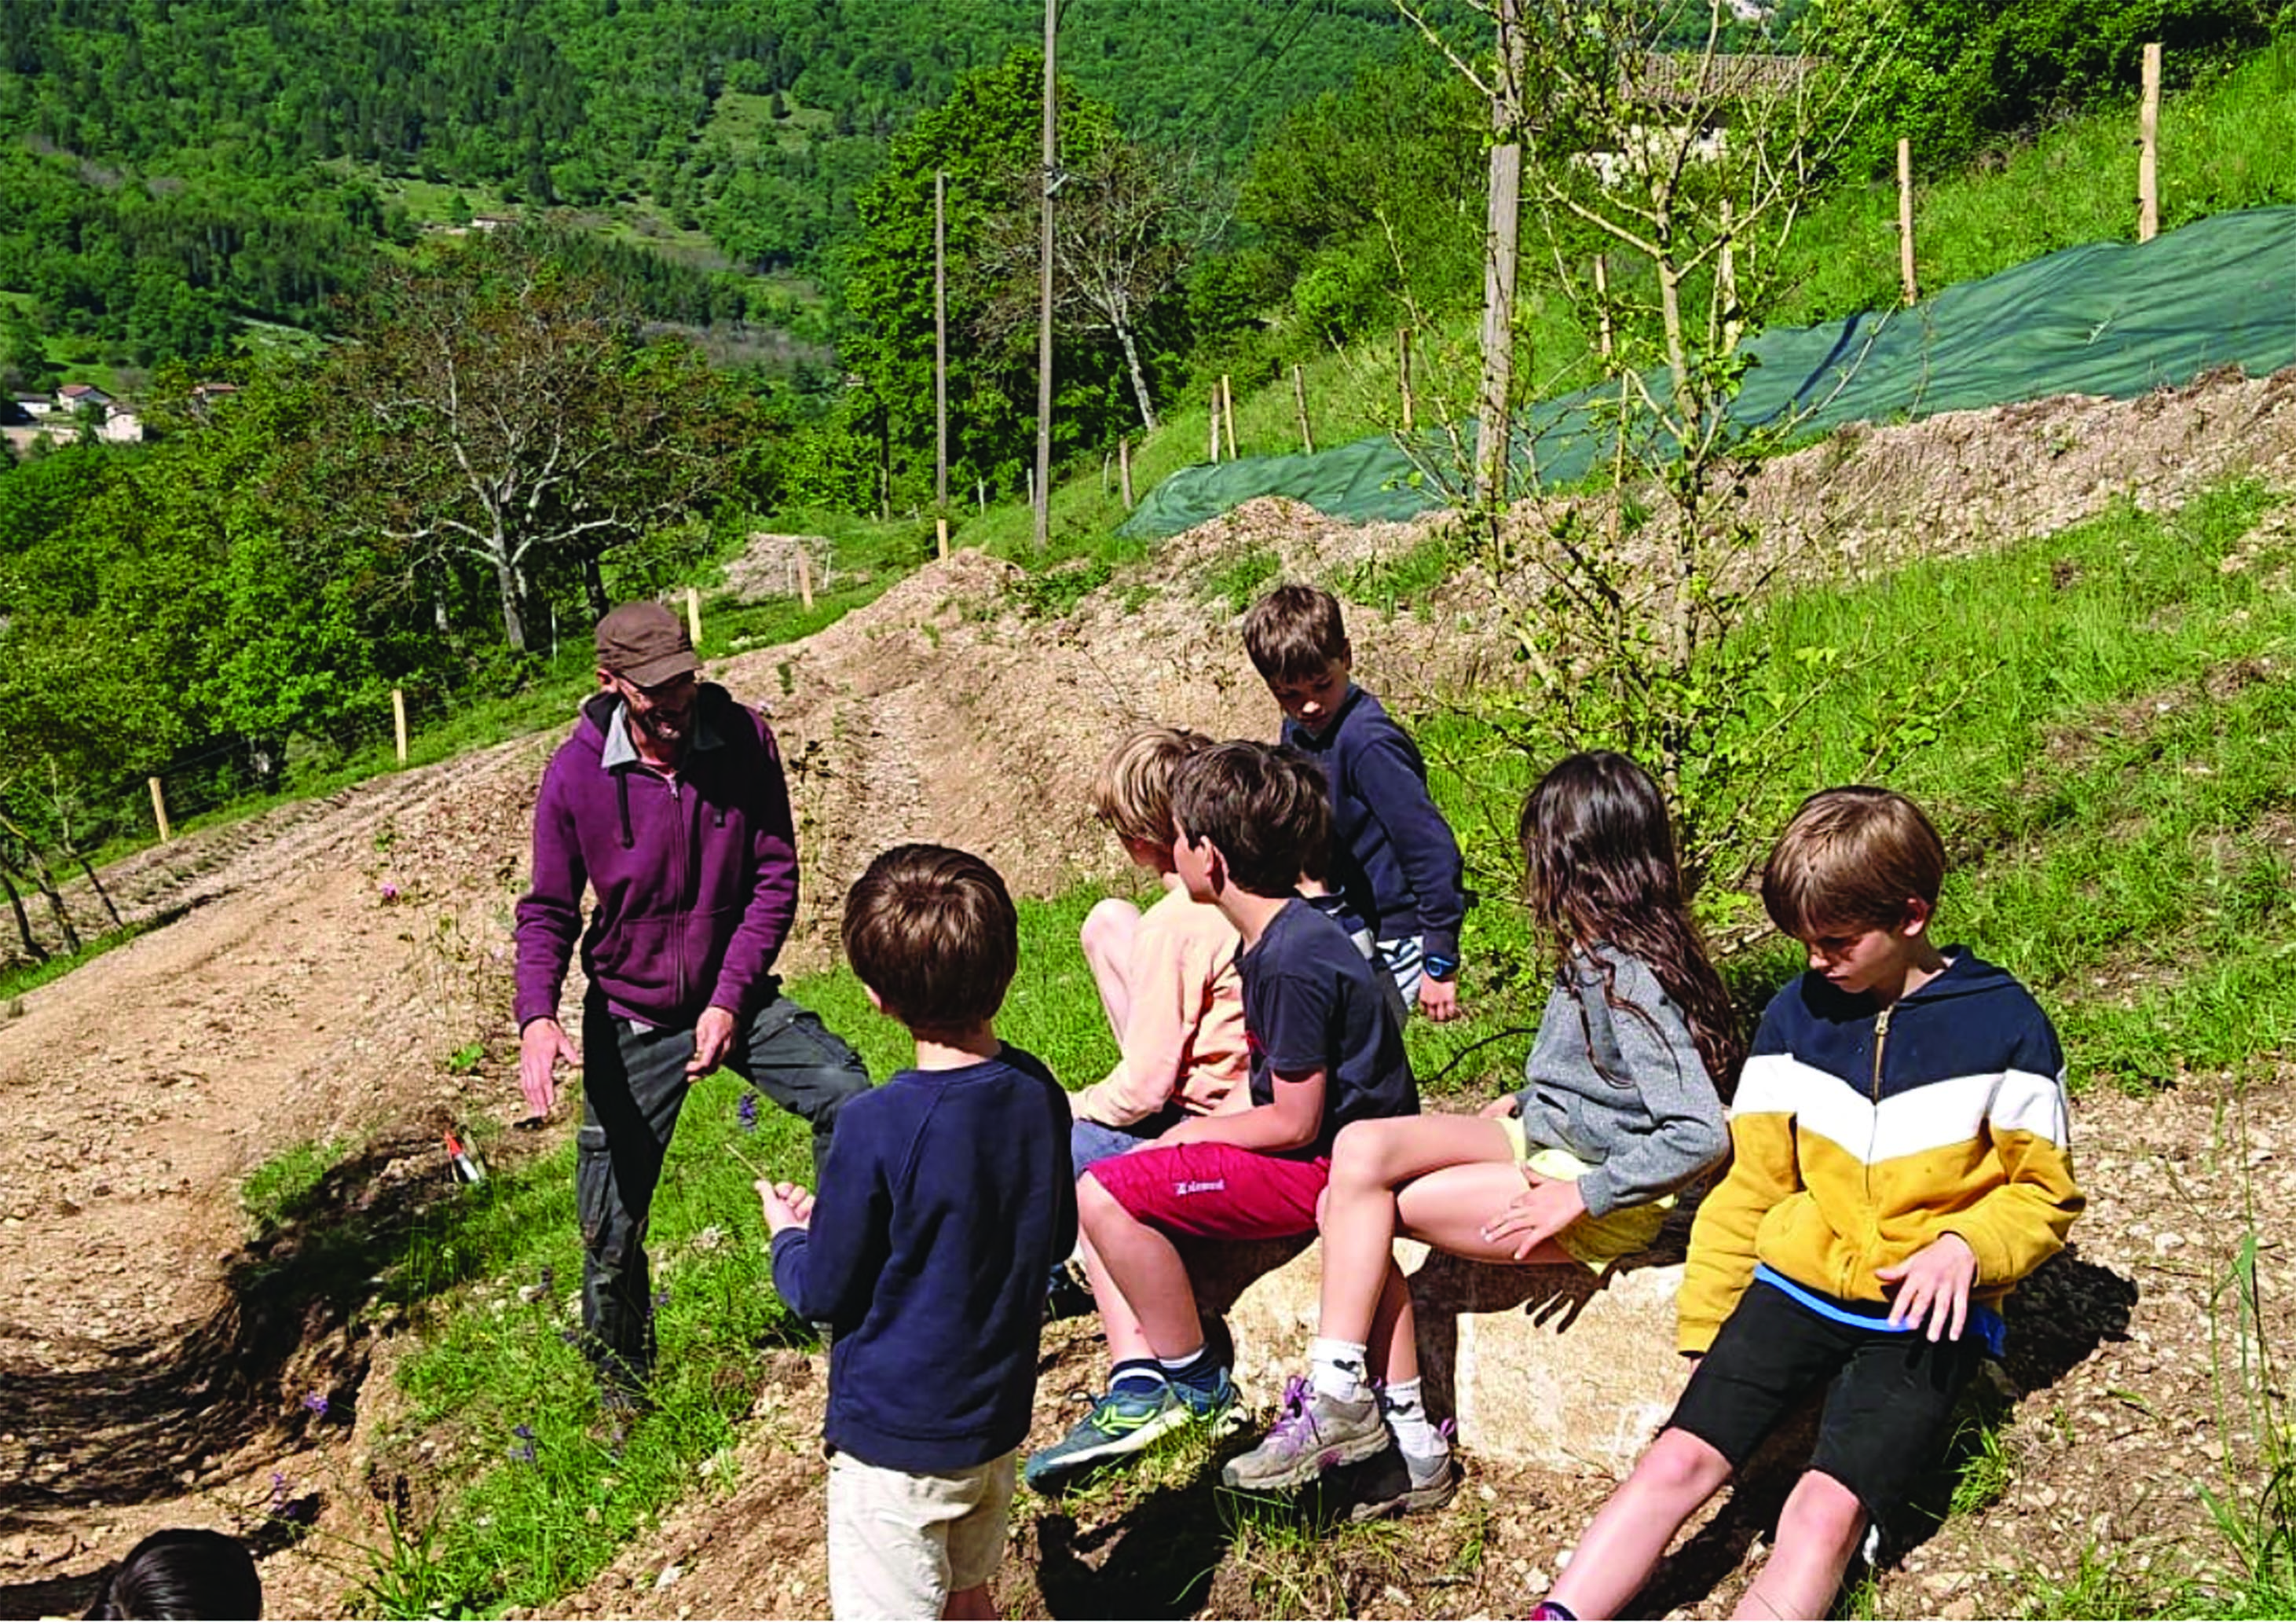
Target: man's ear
[[876, 1001]]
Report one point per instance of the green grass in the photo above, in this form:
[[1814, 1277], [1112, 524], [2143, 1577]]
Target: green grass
[[285, 1183], [19, 978]]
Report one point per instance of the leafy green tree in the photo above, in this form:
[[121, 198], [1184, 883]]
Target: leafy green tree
[[491, 409], [987, 131]]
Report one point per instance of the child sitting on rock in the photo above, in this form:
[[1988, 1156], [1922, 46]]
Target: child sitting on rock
[[1619, 1108]]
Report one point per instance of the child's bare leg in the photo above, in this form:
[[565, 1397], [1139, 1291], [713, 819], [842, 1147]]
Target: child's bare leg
[[1152, 1299], [1819, 1532], [1449, 1208], [1394, 1331], [1369, 1161], [1676, 1476], [1107, 932], [971, 1602]]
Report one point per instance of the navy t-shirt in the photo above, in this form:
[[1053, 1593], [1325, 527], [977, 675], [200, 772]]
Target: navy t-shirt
[[1313, 1003]]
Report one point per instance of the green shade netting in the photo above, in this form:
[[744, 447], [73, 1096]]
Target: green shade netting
[[2110, 318]]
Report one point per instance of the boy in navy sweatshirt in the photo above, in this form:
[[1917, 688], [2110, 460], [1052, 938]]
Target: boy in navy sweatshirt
[[946, 1199], [1394, 858]]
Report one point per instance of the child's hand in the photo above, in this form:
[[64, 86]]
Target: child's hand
[[1540, 1213], [787, 1206], [1439, 1001], [1935, 1282], [1505, 1105]]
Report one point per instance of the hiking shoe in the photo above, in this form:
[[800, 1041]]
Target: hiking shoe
[[1127, 1421], [1392, 1484], [1314, 1435]]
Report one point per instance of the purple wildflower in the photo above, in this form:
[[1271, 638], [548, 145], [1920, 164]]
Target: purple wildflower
[[748, 1111], [549, 1279], [662, 1298], [571, 1337], [390, 891], [523, 1455], [523, 1430], [280, 1489], [317, 1403]]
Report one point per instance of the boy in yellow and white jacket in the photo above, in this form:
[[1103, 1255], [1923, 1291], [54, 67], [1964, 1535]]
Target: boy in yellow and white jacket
[[1900, 1162]]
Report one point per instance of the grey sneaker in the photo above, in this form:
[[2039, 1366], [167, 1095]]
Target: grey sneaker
[[1393, 1484], [1314, 1435]]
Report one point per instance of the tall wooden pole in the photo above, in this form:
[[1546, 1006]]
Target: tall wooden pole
[[1227, 414], [1124, 469], [1041, 492], [1299, 399], [1503, 237], [2148, 148], [1725, 279], [940, 340], [1603, 335], [1403, 368], [1912, 285]]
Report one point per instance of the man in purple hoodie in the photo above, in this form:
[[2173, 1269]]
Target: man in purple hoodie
[[669, 803]]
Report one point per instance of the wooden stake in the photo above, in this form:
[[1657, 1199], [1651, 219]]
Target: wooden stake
[[1402, 352], [2148, 148], [1227, 414], [1124, 469], [1299, 399], [1725, 279], [940, 537], [693, 616], [1602, 306], [398, 722], [160, 810], [940, 339], [1911, 284], [1212, 456], [1107, 464], [980, 490], [804, 576]]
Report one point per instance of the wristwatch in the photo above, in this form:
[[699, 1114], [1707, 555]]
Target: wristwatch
[[1439, 966]]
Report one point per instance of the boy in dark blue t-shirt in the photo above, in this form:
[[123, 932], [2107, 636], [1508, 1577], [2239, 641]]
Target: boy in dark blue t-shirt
[[946, 1199], [1326, 1046]]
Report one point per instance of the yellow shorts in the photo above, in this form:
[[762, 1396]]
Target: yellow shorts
[[1597, 1242]]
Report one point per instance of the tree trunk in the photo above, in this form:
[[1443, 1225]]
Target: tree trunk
[[594, 583], [1139, 379], [47, 881], [102, 896], [32, 948], [1501, 245], [506, 583]]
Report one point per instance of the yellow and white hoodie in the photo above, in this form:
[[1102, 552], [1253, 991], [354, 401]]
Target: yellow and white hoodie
[[1860, 1134]]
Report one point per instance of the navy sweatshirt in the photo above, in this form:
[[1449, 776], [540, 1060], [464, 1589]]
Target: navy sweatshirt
[[946, 1199], [1393, 855]]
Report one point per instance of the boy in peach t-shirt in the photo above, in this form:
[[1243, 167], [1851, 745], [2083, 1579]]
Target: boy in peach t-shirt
[[1167, 977]]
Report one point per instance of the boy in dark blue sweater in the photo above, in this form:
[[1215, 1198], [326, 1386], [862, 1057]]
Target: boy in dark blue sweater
[[946, 1199], [1394, 858]]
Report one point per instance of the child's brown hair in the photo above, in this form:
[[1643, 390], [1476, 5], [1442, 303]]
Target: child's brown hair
[[1294, 634], [1267, 809], [1850, 860], [933, 933], [1132, 791]]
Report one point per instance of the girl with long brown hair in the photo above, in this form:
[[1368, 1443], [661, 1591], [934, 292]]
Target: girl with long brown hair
[[1621, 1106]]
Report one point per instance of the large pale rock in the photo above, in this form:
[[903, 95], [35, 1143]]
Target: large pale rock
[[1542, 1367]]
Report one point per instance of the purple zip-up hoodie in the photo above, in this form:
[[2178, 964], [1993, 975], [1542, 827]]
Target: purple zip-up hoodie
[[695, 875]]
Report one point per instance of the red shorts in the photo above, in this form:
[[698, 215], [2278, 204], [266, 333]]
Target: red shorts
[[1221, 1191]]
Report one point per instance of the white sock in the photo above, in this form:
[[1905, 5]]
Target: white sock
[[1338, 1369], [1405, 1415]]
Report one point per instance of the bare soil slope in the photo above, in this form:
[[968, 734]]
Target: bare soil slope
[[324, 963]]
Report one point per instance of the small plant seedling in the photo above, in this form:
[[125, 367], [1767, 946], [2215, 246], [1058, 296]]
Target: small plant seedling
[[464, 1061]]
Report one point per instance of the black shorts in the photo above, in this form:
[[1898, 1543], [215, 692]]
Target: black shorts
[[1888, 1395]]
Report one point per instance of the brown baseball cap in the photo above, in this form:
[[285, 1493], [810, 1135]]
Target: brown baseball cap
[[646, 644]]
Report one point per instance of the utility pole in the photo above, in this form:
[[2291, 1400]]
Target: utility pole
[[1043, 487], [1503, 236], [940, 340]]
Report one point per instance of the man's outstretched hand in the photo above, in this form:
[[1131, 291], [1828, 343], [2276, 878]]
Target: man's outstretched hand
[[541, 1046], [713, 1040]]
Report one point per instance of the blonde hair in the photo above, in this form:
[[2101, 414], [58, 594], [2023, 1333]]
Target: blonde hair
[[1132, 791]]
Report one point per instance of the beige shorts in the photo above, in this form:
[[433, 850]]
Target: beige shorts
[[1597, 1242], [901, 1543]]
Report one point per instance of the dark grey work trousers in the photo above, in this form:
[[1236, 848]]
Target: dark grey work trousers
[[633, 1084]]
